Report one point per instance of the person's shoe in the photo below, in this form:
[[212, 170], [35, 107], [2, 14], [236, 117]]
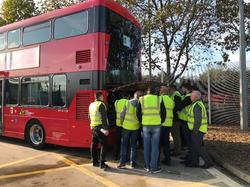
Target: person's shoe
[[104, 166], [146, 169], [156, 171], [206, 166], [166, 162], [133, 165], [121, 166], [96, 164]]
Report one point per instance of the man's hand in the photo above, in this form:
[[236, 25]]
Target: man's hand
[[105, 132]]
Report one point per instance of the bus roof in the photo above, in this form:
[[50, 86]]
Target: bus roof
[[116, 7]]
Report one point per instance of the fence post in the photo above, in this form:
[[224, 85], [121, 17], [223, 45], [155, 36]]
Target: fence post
[[243, 78], [209, 96]]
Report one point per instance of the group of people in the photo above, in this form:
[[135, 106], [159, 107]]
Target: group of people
[[156, 116]]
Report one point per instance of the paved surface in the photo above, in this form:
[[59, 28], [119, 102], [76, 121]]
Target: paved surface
[[56, 166]]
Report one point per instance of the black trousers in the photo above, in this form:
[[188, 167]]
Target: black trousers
[[98, 138], [140, 139], [165, 143], [186, 133], [198, 149], [118, 137], [176, 134]]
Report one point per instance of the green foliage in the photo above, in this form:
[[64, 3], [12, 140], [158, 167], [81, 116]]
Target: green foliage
[[186, 31], [15, 10], [2, 22], [177, 29], [227, 12], [50, 5]]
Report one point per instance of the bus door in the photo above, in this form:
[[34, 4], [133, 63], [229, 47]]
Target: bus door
[[1, 105]]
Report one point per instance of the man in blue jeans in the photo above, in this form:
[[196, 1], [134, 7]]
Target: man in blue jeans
[[166, 125], [151, 113], [130, 127]]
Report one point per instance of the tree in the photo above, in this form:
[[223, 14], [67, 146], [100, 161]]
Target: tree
[[49, 5], [178, 29], [227, 12], [15, 10], [183, 31], [2, 22]]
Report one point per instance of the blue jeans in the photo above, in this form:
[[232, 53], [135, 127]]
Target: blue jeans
[[165, 143], [151, 138], [128, 135]]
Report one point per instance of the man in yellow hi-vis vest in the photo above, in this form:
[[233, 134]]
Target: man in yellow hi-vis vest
[[99, 127], [130, 127], [167, 124], [198, 124], [176, 129], [182, 115], [151, 114], [119, 105]]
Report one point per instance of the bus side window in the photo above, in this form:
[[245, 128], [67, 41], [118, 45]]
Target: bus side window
[[2, 41], [13, 38], [11, 92], [59, 90], [35, 91], [71, 25]]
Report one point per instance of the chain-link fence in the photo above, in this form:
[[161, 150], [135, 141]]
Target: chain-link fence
[[220, 87]]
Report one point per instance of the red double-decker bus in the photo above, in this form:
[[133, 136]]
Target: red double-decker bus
[[51, 65]]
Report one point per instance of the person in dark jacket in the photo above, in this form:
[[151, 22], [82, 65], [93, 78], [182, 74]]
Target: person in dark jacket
[[119, 105], [175, 130], [182, 115], [100, 130], [198, 125]]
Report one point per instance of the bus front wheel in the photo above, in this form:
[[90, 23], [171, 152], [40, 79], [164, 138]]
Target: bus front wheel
[[35, 135]]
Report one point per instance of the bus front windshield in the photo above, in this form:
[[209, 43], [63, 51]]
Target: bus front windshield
[[124, 53]]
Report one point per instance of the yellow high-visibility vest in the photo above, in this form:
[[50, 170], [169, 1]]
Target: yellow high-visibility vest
[[169, 106], [176, 93], [119, 105], [150, 105], [183, 114], [204, 124], [95, 115], [130, 121]]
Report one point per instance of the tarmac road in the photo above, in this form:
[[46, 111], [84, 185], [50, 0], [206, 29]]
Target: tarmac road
[[54, 166]]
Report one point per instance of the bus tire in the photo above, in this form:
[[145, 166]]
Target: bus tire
[[35, 134]]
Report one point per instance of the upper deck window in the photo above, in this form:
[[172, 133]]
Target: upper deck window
[[124, 52], [37, 33], [71, 25], [2, 41], [14, 38]]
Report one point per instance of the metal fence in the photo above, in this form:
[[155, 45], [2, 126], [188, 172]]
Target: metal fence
[[220, 87]]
